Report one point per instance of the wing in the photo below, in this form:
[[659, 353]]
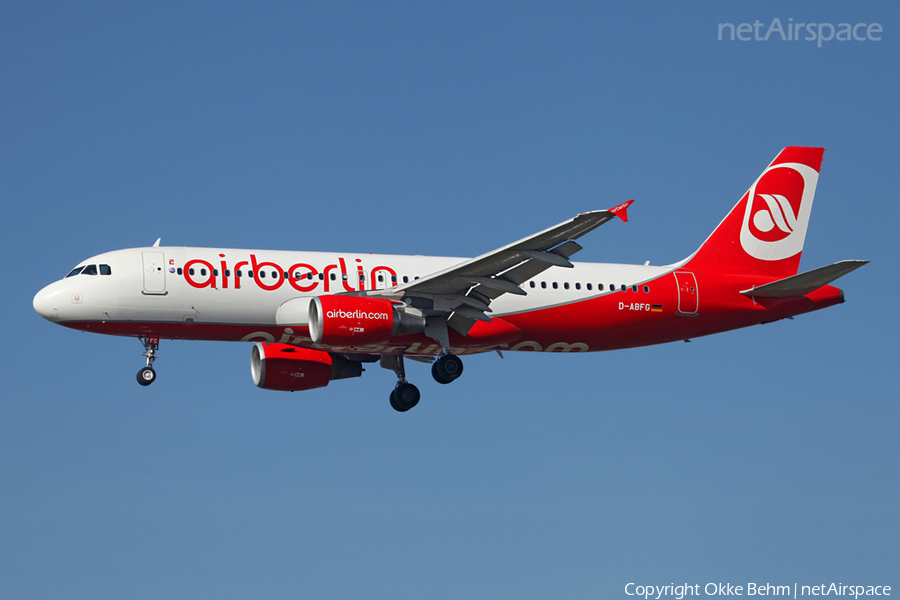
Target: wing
[[466, 290]]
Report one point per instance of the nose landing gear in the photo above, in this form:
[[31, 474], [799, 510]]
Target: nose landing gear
[[147, 375]]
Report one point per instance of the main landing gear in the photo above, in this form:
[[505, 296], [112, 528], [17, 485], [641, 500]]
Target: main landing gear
[[405, 394], [404, 397], [445, 369], [147, 375]]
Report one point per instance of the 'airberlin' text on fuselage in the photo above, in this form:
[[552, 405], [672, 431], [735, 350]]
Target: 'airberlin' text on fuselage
[[270, 276]]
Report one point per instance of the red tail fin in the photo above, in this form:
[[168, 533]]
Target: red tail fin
[[766, 229]]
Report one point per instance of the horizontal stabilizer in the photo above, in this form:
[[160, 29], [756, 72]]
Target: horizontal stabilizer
[[804, 283]]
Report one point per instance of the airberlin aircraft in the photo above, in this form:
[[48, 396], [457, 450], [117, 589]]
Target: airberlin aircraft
[[313, 317]]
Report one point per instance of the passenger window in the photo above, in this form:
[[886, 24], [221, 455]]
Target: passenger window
[[531, 283], [105, 270], [250, 274], [624, 288], [227, 273], [566, 285], [90, 270], [543, 285], [274, 274], [333, 277], [577, 286], [215, 272], [74, 271], [203, 272], [634, 288], [405, 279], [646, 288], [190, 271], [589, 286], [599, 287], [555, 285], [180, 272], [321, 276], [238, 274], [262, 274], [362, 277], [394, 279]]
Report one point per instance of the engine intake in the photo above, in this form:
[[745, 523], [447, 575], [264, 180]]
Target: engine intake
[[355, 321], [290, 368]]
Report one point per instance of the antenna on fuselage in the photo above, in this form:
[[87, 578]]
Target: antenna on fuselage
[[156, 243]]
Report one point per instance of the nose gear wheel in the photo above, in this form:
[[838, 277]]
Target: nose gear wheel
[[147, 375]]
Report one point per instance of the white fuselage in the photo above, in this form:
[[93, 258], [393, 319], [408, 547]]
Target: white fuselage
[[201, 286]]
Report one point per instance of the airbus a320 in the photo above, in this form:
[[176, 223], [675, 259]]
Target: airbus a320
[[314, 317]]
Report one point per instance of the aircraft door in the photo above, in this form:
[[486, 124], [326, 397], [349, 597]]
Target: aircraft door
[[687, 293], [154, 272]]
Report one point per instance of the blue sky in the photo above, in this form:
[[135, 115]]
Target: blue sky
[[763, 455]]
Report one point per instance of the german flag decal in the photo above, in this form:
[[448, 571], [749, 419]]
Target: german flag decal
[[656, 308]]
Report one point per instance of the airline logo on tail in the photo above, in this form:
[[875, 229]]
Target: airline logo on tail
[[779, 213], [778, 207]]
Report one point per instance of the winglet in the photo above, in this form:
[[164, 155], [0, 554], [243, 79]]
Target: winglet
[[621, 210]]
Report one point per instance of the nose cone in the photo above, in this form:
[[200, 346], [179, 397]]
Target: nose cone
[[46, 304]]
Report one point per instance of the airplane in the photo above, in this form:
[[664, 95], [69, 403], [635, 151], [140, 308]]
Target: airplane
[[315, 317]]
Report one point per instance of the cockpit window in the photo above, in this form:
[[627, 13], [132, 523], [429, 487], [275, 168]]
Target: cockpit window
[[74, 271], [105, 270], [90, 270]]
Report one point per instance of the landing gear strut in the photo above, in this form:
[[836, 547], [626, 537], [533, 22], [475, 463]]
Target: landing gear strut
[[405, 394], [447, 368], [147, 375]]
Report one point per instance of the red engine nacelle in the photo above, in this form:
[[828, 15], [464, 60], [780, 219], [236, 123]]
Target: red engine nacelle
[[289, 368], [355, 321]]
